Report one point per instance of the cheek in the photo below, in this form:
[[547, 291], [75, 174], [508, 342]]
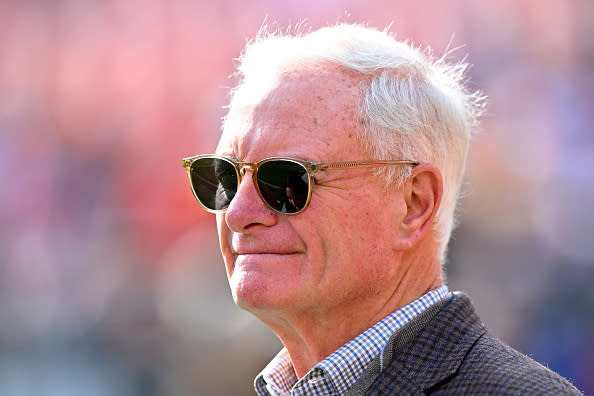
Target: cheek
[[354, 233], [224, 238], [340, 256], [223, 232], [361, 252], [330, 240]]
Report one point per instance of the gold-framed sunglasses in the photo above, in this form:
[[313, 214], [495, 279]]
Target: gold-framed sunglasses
[[284, 184]]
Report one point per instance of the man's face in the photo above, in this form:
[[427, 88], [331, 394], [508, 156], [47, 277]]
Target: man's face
[[334, 254]]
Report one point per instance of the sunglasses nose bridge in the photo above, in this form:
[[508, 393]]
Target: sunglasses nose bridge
[[244, 167]]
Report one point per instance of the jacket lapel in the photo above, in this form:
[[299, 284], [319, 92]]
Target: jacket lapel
[[421, 358]]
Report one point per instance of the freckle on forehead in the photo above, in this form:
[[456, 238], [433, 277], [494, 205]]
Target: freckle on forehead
[[304, 109]]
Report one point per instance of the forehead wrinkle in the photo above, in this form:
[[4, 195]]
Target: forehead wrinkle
[[300, 103]]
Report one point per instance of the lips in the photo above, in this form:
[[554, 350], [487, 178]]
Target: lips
[[256, 248], [262, 251], [276, 243], [263, 254]]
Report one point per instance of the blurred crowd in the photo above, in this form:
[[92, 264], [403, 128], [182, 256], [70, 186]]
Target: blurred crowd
[[110, 277]]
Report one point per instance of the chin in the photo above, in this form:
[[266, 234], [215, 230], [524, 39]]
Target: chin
[[260, 298], [265, 284], [255, 298]]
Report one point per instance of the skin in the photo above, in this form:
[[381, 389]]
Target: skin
[[356, 254]]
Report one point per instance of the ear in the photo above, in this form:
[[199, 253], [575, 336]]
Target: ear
[[422, 194]]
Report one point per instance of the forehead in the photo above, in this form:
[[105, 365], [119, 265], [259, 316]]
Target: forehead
[[312, 114]]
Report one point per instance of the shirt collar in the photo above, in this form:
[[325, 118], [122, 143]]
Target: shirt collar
[[278, 377], [337, 373]]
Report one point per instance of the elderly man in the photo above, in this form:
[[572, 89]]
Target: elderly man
[[334, 186]]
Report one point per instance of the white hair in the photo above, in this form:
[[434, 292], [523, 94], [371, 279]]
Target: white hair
[[412, 105]]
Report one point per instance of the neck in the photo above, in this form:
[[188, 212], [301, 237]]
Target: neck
[[312, 335]]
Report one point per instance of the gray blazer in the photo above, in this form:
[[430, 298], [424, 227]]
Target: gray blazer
[[447, 351]]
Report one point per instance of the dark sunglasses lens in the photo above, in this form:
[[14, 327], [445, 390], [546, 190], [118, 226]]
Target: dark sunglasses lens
[[283, 185], [214, 181]]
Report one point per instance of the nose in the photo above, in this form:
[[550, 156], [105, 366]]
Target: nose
[[247, 210]]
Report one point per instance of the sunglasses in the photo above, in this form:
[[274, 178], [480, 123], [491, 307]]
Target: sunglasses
[[284, 184]]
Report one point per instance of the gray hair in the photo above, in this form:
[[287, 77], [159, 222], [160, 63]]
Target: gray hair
[[412, 106]]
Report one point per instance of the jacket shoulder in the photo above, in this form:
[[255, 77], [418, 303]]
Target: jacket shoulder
[[454, 354], [492, 367]]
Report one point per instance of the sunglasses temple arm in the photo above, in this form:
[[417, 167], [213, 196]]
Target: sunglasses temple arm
[[354, 164]]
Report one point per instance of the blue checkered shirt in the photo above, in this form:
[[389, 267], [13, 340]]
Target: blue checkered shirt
[[339, 371]]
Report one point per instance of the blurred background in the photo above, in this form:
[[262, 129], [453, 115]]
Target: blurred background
[[110, 277]]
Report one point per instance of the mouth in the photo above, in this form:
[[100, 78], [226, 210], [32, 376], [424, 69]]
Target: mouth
[[263, 260], [265, 253], [269, 245]]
